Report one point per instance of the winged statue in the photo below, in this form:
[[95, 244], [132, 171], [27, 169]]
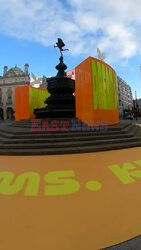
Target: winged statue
[[34, 77], [60, 45], [101, 55]]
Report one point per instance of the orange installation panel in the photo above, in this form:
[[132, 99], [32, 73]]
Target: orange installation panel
[[96, 92], [22, 111], [83, 91]]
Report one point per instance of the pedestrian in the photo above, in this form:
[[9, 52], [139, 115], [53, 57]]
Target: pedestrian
[[136, 113]]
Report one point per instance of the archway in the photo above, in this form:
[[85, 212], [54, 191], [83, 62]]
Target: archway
[[10, 113], [1, 114]]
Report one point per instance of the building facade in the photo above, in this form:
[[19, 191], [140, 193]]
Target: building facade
[[38, 82], [125, 95], [139, 104], [11, 78], [71, 74]]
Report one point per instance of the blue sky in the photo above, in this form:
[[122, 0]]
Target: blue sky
[[30, 28]]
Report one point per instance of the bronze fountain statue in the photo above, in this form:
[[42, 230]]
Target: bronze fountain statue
[[61, 103], [60, 44]]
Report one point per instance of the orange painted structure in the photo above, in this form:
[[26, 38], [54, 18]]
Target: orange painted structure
[[27, 99], [96, 92]]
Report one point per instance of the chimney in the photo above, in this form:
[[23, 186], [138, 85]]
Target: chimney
[[26, 67], [5, 70]]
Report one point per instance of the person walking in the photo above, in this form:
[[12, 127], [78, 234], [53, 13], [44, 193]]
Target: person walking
[[136, 114]]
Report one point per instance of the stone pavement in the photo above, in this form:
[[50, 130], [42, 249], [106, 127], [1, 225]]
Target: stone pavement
[[138, 121], [133, 244]]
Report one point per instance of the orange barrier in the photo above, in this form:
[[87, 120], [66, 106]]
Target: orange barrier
[[22, 111], [96, 92], [27, 99]]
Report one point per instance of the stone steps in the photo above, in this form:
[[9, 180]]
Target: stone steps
[[15, 130], [63, 134], [12, 128], [23, 141], [68, 138], [64, 144], [7, 132], [69, 150]]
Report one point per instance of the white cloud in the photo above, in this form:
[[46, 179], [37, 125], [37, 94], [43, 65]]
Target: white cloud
[[112, 25]]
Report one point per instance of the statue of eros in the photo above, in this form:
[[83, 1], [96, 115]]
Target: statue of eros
[[60, 44]]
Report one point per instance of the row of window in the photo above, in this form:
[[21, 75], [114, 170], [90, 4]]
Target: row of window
[[9, 96]]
